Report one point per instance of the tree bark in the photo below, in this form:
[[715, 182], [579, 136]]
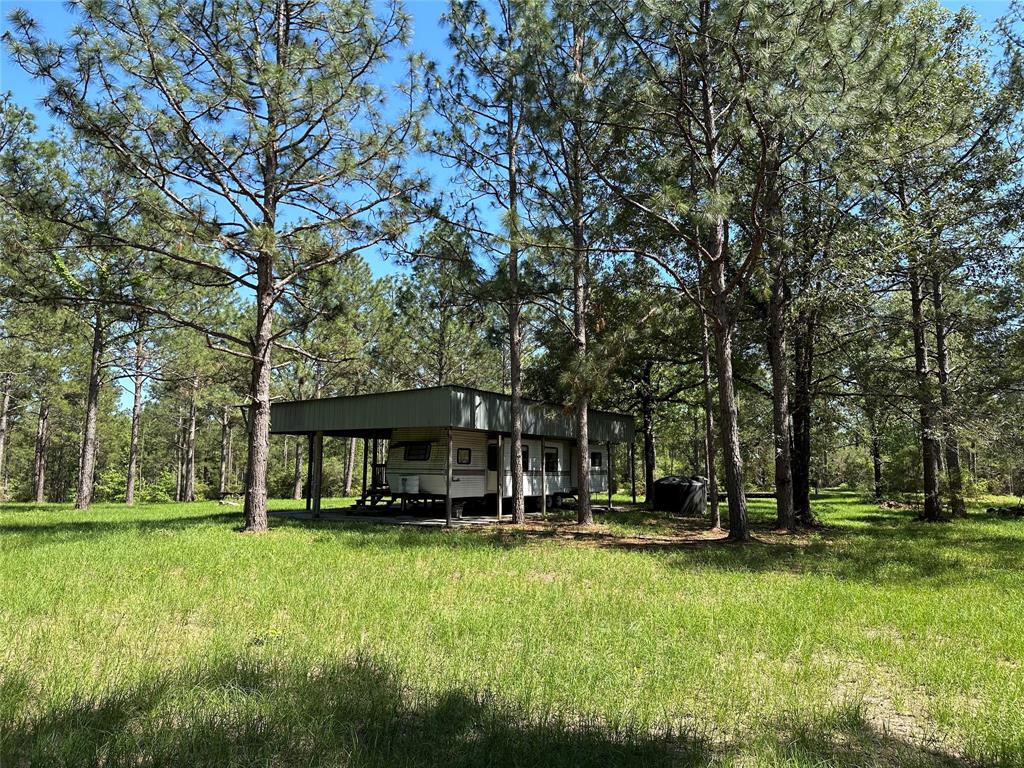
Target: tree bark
[[580, 275], [225, 442], [42, 437], [954, 474], [297, 477], [717, 257], [711, 469], [514, 325], [728, 410], [647, 416], [261, 343], [925, 399], [5, 410], [516, 376], [710, 454], [133, 443], [189, 490], [259, 402], [777, 356], [800, 411], [350, 463], [179, 457], [232, 469], [87, 457], [876, 462]]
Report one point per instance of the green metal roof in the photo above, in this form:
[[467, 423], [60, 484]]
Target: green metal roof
[[450, 406]]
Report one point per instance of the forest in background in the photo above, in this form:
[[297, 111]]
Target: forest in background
[[782, 235]]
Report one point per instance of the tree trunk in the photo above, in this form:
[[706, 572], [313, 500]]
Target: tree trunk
[[259, 402], [225, 443], [297, 477], [350, 464], [87, 460], [777, 356], [954, 475], [42, 437], [647, 416], [189, 490], [710, 457], [5, 410], [876, 461], [925, 399], [584, 510], [514, 325], [728, 410], [179, 457], [516, 376], [716, 257], [800, 411], [232, 469], [580, 270], [133, 442]]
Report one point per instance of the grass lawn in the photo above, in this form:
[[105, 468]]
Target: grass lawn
[[158, 636]]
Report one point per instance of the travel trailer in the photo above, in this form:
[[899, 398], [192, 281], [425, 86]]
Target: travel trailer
[[453, 444], [417, 461]]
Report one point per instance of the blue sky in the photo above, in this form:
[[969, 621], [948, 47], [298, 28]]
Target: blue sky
[[429, 37]]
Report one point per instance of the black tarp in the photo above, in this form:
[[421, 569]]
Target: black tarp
[[679, 495]]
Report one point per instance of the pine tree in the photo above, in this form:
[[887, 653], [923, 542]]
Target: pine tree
[[253, 123]]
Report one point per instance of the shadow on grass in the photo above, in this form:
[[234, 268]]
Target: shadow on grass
[[861, 546], [889, 548], [357, 714], [65, 529]]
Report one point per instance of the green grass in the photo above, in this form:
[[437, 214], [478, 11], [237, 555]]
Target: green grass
[[158, 636]]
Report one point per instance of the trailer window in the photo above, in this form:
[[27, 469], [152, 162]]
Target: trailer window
[[463, 456], [550, 459], [492, 458], [417, 451], [526, 458], [595, 460]]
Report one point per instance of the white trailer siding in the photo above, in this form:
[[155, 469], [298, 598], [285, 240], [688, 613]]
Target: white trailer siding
[[473, 479], [467, 478], [598, 475], [563, 480]]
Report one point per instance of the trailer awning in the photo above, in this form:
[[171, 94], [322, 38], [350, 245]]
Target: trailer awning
[[449, 406]]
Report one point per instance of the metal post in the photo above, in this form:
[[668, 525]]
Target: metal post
[[309, 475], [448, 483], [500, 485], [362, 501], [608, 472], [543, 480], [632, 467]]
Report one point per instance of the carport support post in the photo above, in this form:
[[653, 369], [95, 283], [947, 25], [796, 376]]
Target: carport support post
[[543, 480], [609, 472], [318, 473], [448, 483], [309, 475], [500, 484]]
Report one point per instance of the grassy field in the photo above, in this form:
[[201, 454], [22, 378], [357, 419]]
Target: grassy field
[[158, 636]]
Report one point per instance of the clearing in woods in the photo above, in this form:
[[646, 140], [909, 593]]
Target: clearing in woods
[[160, 636]]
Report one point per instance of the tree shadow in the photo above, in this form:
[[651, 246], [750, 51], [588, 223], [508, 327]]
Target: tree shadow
[[888, 546], [870, 548], [244, 712], [29, 534]]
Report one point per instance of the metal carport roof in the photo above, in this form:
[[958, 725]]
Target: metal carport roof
[[447, 406]]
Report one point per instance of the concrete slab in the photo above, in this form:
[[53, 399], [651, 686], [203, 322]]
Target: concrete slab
[[396, 518]]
